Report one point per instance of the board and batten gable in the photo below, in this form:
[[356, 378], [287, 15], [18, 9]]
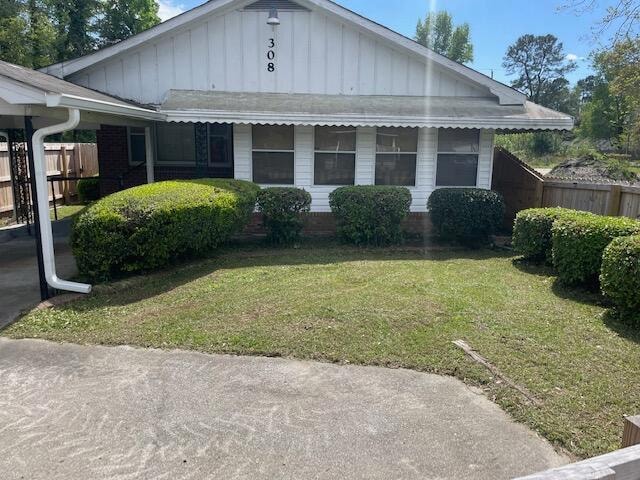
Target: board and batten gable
[[365, 166], [314, 52]]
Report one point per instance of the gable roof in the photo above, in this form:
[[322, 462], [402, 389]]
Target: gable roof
[[505, 94]]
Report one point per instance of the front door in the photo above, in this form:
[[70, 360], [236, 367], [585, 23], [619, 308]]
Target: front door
[[221, 149]]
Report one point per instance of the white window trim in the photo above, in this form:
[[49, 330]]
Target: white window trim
[[264, 150], [438, 152], [161, 163], [348, 152], [129, 156], [375, 160]]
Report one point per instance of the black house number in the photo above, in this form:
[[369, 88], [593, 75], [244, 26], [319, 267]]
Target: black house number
[[271, 55]]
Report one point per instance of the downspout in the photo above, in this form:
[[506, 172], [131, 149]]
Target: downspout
[[40, 174]]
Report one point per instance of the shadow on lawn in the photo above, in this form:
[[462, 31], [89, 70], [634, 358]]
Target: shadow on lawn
[[255, 253], [625, 326]]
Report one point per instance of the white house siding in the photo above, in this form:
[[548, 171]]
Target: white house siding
[[314, 53], [365, 163]]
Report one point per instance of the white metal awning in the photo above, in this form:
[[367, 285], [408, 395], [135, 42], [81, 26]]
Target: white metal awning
[[370, 111]]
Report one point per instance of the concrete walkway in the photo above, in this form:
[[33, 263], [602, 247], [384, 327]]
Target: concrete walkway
[[19, 274], [76, 412]]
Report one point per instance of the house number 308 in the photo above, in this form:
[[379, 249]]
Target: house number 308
[[271, 55]]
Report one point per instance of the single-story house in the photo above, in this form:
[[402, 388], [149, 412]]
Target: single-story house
[[303, 93], [280, 92]]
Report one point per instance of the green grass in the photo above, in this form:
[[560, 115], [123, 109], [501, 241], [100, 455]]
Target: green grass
[[66, 211], [390, 307]]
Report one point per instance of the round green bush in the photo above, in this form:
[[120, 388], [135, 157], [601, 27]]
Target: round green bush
[[370, 214], [283, 209], [579, 242], [88, 189], [466, 215], [532, 231], [153, 225], [620, 277]]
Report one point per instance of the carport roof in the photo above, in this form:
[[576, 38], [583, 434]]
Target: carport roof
[[24, 86]]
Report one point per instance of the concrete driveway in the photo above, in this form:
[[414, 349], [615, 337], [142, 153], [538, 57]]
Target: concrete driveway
[[78, 412], [19, 274]]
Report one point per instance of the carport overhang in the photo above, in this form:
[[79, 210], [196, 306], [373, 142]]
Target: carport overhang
[[44, 105]]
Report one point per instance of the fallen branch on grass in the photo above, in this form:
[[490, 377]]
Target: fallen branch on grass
[[493, 369]]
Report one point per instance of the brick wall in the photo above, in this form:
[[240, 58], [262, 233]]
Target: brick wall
[[323, 224], [113, 160]]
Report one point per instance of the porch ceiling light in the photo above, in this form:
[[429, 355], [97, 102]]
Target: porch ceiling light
[[273, 19]]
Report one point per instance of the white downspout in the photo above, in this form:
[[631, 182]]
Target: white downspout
[[40, 176]]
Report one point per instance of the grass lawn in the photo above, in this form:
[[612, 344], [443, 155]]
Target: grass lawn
[[66, 211], [391, 307]]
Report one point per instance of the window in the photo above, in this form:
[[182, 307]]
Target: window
[[137, 146], [176, 143], [335, 156], [396, 153], [273, 154], [220, 138], [457, 158]]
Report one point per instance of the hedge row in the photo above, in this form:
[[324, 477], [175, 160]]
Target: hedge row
[[150, 226], [283, 209], [585, 248], [578, 244], [370, 215], [532, 231], [466, 215]]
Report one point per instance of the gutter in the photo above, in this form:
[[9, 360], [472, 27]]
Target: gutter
[[101, 106], [40, 175]]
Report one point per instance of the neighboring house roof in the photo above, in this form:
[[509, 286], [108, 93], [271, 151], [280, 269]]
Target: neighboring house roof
[[361, 110], [505, 94], [24, 86]]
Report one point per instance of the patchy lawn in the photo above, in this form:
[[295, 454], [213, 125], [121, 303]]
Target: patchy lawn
[[392, 307], [66, 211]]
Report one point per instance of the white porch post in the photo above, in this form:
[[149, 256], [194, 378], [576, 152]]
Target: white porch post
[[148, 148]]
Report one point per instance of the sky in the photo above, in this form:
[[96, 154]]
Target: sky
[[495, 24]]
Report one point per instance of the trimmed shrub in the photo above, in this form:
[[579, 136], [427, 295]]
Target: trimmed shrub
[[532, 231], [370, 214], [467, 215], [620, 277], [283, 209], [578, 244], [153, 225], [88, 190]]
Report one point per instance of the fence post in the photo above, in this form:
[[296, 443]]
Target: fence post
[[65, 173], [613, 202], [631, 435], [539, 194]]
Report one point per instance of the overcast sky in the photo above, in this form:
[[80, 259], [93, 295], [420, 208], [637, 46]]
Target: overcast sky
[[495, 24]]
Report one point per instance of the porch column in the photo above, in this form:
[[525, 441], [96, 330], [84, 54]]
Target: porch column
[[148, 148]]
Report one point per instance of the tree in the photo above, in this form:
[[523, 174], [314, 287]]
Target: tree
[[76, 27], [124, 18], [40, 35], [14, 46], [540, 63], [622, 16], [438, 34]]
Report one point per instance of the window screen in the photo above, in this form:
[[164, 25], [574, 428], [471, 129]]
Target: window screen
[[137, 146], [457, 158], [273, 154], [176, 143], [396, 154], [335, 156]]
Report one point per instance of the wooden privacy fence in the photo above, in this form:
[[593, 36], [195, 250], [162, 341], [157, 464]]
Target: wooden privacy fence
[[65, 159], [522, 187]]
